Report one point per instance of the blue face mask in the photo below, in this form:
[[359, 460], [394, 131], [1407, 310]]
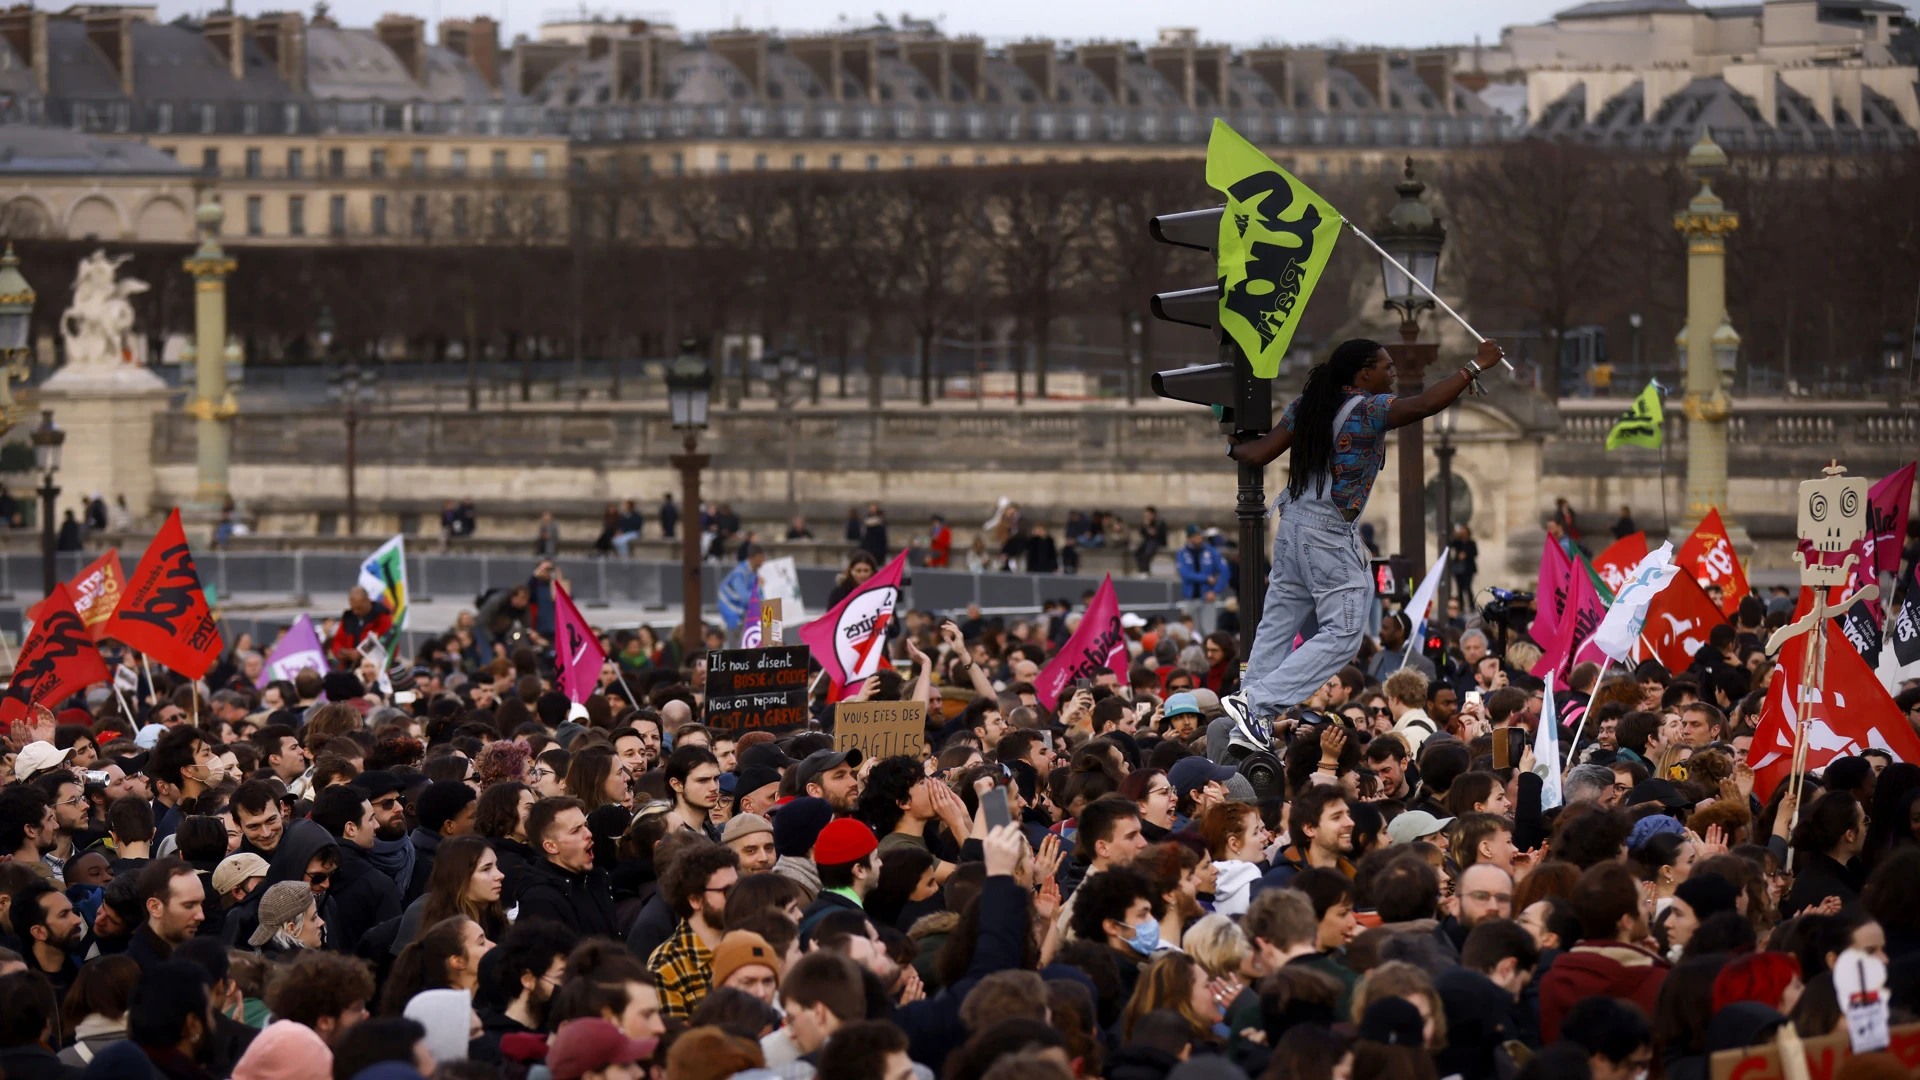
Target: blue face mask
[[1146, 937]]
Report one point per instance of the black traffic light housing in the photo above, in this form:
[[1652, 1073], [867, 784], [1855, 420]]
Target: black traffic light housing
[[1242, 403]]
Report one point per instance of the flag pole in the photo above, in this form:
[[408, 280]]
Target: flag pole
[[1574, 745], [1422, 286], [123, 704]]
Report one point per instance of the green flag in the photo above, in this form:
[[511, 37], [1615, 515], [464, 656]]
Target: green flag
[[1642, 424], [1275, 238]]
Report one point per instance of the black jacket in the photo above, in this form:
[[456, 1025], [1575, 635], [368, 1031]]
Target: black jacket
[[35, 1062], [822, 904], [146, 949], [1140, 1062], [426, 844], [363, 897], [514, 857], [1819, 877], [651, 927], [581, 902], [494, 1024]]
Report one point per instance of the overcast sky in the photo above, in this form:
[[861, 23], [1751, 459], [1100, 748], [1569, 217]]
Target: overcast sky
[[1387, 22]]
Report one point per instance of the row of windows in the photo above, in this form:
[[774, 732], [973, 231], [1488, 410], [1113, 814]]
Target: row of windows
[[421, 221], [377, 164]]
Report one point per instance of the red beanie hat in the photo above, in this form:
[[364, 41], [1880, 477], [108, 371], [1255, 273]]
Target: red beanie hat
[[844, 840], [1761, 977]]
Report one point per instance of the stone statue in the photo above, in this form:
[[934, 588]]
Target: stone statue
[[98, 327]]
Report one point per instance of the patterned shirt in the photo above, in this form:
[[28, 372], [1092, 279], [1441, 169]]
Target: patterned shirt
[[682, 971], [1358, 452]]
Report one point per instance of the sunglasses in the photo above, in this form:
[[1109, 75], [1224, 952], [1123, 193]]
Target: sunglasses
[[319, 877], [1379, 710]]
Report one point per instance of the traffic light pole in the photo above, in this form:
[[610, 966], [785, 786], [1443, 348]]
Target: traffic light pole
[[1252, 416]]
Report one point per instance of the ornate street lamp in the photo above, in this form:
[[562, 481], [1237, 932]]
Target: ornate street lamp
[[1414, 237], [1726, 352], [47, 440], [1445, 424], [16, 328], [689, 392]]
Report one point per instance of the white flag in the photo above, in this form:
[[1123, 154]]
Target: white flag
[[1620, 629], [1422, 600], [1546, 750]]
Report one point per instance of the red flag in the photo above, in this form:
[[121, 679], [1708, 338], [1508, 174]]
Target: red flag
[[1098, 644], [1615, 565], [1708, 555], [164, 612], [57, 661], [850, 641], [1572, 638], [1888, 503], [1678, 622], [96, 592], [1849, 711]]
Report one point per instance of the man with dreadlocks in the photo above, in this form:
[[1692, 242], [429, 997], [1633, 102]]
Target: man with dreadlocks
[[1337, 431]]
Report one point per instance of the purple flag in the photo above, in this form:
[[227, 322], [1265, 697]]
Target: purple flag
[[297, 650], [576, 649]]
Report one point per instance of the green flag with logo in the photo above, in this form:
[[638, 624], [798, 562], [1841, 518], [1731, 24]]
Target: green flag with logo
[[1641, 425], [1275, 238]]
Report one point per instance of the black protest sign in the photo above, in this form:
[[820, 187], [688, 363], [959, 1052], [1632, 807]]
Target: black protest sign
[[757, 689]]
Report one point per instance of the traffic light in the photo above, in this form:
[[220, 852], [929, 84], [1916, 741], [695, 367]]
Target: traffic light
[[1242, 403]]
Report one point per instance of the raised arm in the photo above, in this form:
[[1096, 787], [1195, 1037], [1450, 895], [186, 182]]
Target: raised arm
[[1412, 410]]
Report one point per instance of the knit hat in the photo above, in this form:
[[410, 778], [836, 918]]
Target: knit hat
[[742, 948], [285, 1050], [1708, 895], [797, 826], [590, 1044], [844, 840], [745, 825], [282, 903], [1394, 1021], [447, 1015], [235, 870], [1649, 827]]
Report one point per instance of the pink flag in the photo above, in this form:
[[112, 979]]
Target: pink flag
[[576, 650], [1572, 639], [850, 640], [1887, 504], [1550, 596], [1098, 644]]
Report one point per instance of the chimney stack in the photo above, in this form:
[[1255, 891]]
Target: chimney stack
[[406, 36], [478, 40], [26, 31], [112, 33], [227, 33], [282, 35]]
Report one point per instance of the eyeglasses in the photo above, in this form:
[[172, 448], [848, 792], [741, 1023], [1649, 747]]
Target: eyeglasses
[[728, 891], [1162, 790], [542, 774], [77, 800]]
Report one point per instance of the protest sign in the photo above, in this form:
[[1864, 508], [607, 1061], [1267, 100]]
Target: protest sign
[[880, 728], [757, 689], [1824, 1054]]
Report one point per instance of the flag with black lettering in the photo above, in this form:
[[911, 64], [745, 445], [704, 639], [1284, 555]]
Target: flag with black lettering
[[1642, 424], [164, 612], [58, 660]]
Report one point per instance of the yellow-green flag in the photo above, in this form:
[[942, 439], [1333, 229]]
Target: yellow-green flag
[[1275, 238], [1641, 425]]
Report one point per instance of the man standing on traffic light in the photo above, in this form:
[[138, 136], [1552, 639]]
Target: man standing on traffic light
[[1336, 430]]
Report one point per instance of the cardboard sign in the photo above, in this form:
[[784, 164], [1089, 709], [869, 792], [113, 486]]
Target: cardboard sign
[[880, 728], [1824, 1056], [757, 689], [772, 632]]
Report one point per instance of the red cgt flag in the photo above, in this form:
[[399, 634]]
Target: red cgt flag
[[1708, 555], [1848, 712], [1678, 622], [56, 662], [96, 592], [164, 612]]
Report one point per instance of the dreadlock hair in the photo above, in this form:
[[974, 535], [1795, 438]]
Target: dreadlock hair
[[1320, 401]]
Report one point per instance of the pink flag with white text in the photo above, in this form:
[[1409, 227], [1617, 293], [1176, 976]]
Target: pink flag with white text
[[1550, 595], [577, 651], [1098, 644]]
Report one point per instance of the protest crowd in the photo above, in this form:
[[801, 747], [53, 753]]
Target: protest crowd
[[894, 844]]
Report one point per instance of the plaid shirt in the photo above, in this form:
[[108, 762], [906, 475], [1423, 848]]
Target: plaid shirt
[[682, 970]]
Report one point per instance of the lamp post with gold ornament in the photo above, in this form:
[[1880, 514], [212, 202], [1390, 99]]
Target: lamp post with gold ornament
[[16, 330], [1706, 222], [212, 404]]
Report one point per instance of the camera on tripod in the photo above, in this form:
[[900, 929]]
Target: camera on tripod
[[1503, 611]]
